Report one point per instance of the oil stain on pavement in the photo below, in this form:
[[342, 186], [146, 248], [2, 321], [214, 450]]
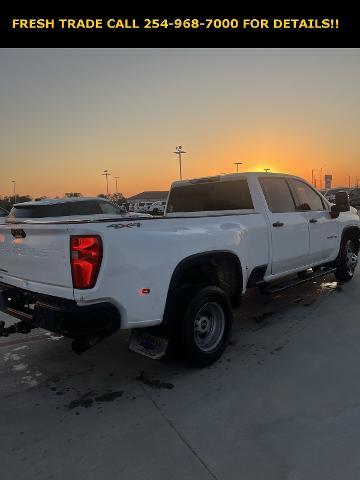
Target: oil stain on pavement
[[87, 400]]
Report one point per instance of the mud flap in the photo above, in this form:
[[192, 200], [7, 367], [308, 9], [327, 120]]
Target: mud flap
[[148, 345]]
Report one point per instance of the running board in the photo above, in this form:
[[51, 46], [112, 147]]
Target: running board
[[267, 290]]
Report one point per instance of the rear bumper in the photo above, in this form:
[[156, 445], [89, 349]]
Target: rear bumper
[[59, 315]]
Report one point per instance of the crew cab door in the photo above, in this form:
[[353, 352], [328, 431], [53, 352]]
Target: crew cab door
[[323, 230], [289, 229]]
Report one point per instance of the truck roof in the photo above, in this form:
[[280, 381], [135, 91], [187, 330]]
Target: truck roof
[[230, 176]]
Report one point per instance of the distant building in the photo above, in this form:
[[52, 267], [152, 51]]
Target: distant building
[[151, 196]]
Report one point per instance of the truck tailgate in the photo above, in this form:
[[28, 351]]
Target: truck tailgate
[[36, 258]]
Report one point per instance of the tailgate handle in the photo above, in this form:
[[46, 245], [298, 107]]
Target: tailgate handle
[[18, 233]]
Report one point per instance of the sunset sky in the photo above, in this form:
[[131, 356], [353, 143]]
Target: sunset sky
[[66, 115]]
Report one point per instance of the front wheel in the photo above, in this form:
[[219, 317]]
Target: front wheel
[[347, 261], [204, 326]]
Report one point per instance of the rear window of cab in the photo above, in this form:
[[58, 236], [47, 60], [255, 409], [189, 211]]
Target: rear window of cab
[[210, 196]]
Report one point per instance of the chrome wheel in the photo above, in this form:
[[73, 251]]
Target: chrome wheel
[[351, 257], [209, 326]]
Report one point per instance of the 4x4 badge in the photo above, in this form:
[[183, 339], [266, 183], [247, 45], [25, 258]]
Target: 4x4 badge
[[124, 225]]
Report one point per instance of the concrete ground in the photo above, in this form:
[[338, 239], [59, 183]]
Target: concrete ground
[[282, 403]]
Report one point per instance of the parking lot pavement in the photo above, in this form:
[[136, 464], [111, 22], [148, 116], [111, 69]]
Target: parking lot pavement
[[282, 403]]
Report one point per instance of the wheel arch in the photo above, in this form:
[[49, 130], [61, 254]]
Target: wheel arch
[[352, 232], [206, 266]]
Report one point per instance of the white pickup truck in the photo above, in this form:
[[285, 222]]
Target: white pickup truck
[[173, 279]]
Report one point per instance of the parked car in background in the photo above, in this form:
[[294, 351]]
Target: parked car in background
[[142, 207], [147, 207], [93, 207], [354, 197], [157, 208], [3, 214], [330, 194], [138, 206]]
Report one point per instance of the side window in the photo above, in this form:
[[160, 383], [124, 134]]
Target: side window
[[277, 194], [307, 198]]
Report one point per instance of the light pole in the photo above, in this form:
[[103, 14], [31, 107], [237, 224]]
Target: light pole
[[267, 170], [312, 177], [14, 188], [321, 169], [179, 151], [116, 179], [106, 175], [237, 166]]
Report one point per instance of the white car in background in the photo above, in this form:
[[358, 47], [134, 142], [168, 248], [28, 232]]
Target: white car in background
[[142, 207], [136, 206], [147, 207], [88, 208], [157, 208]]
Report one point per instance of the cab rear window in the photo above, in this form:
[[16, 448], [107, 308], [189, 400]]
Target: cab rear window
[[210, 196]]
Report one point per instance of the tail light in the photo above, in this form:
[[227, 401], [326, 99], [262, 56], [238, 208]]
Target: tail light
[[85, 258]]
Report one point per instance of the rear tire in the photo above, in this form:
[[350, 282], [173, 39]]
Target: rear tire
[[203, 326], [347, 261]]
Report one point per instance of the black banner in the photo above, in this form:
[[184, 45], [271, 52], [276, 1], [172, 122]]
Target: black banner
[[126, 28]]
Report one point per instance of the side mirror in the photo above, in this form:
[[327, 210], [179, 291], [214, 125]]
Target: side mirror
[[342, 201], [342, 204]]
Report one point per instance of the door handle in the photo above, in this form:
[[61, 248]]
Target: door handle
[[278, 224], [313, 220]]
